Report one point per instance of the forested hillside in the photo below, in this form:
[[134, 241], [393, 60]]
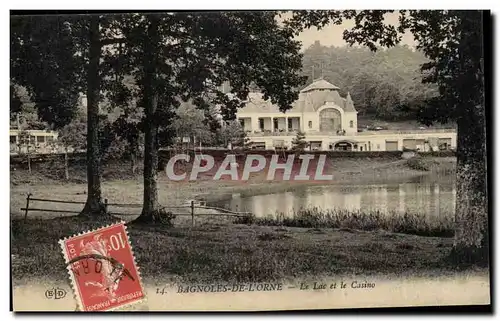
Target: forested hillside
[[386, 84]]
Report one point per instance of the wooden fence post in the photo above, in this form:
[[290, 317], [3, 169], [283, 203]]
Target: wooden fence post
[[192, 213], [27, 206]]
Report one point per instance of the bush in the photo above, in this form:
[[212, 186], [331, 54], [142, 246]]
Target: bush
[[406, 223], [418, 164], [247, 219], [167, 218]]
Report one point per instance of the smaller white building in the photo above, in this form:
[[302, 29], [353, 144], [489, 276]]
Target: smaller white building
[[38, 141]]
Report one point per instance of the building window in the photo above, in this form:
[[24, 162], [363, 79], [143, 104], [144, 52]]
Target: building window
[[50, 139], [330, 120], [310, 124], [290, 125], [259, 145], [242, 123], [13, 139], [275, 121], [351, 124], [261, 124], [378, 146], [40, 139]]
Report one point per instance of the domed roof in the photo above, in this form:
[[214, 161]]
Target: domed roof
[[319, 84]]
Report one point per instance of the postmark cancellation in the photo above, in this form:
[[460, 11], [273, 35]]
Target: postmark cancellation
[[102, 269]]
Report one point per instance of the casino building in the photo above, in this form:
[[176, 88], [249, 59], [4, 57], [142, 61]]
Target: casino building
[[329, 122]]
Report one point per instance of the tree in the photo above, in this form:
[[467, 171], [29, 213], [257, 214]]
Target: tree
[[55, 58], [191, 122], [73, 136], [94, 206], [23, 112], [25, 146], [232, 133], [127, 128], [43, 61], [187, 56], [15, 100], [247, 143], [453, 42], [299, 143]]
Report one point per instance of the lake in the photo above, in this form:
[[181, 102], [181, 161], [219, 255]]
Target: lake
[[422, 197]]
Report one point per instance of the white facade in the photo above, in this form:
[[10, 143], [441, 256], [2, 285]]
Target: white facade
[[329, 122], [39, 141]]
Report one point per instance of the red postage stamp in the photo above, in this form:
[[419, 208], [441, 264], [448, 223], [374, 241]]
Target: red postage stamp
[[102, 269]]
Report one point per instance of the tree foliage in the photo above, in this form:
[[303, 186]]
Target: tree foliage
[[180, 57], [44, 61], [232, 134], [74, 135], [190, 122], [386, 84], [299, 143]]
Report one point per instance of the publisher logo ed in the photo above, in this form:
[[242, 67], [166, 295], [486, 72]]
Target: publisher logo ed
[[55, 293]]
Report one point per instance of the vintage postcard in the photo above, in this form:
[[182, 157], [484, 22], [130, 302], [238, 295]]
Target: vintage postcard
[[249, 160]]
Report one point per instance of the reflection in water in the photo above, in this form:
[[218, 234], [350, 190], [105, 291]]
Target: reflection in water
[[423, 198]]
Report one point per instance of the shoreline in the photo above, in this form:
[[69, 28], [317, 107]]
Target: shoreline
[[129, 190]]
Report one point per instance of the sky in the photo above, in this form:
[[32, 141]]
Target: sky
[[331, 35]]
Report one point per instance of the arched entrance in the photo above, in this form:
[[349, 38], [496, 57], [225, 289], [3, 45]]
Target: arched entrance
[[330, 120], [345, 145]]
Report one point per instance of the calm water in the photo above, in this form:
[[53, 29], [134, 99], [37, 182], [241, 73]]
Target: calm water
[[427, 198]]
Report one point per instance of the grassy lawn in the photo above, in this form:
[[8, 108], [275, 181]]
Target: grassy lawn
[[237, 252]]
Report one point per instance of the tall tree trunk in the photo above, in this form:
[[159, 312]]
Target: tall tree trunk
[[134, 151], [151, 208], [66, 165], [94, 206], [471, 234], [133, 163], [29, 162], [471, 214]]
